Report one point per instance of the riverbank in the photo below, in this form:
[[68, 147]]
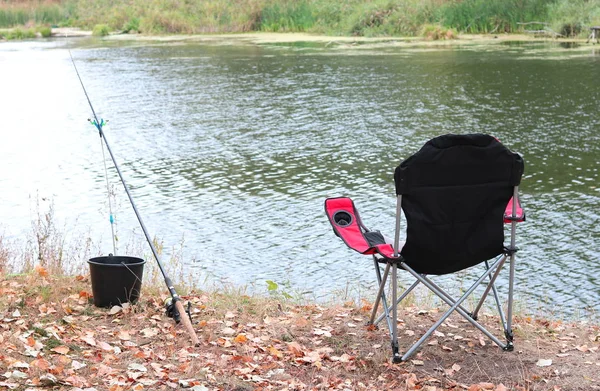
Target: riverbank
[[52, 336]]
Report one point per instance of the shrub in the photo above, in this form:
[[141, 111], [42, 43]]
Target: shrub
[[570, 17], [45, 31], [19, 33], [100, 30], [434, 32], [132, 26]]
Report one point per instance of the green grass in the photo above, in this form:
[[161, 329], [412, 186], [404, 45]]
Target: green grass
[[493, 16], [573, 16], [334, 17], [18, 33], [347, 17], [26, 13]]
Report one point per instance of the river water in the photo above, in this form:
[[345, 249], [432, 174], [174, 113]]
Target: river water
[[230, 149]]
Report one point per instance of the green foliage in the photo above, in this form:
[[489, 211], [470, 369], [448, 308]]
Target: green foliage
[[101, 30], [287, 16], [18, 33], [492, 16], [570, 17], [273, 289], [133, 25], [45, 31], [393, 17], [335, 17], [21, 14], [272, 285], [434, 32]]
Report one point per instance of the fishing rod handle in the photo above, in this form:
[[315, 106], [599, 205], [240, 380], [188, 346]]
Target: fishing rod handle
[[187, 322]]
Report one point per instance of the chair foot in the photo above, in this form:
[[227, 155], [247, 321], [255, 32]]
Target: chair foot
[[396, 357], [509, 347]]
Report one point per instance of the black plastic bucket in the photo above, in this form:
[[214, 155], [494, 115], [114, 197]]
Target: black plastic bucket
[[116, 279]]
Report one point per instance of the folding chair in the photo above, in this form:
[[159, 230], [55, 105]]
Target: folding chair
[[456, 192]]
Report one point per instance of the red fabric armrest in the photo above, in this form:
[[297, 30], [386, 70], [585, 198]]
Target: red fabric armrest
[[520, 213]]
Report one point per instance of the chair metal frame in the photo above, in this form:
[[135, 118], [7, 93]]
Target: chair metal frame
[[390, 312]]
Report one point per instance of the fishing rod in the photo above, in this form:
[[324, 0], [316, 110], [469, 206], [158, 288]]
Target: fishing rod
[[175, 307]]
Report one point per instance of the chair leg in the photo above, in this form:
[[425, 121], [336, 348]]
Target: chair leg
[[487, 291], [395, 351], [508, 331], [381, 295], [402, 296]]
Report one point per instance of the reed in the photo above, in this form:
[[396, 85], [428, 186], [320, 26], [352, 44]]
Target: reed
[[493, 16], [571, 17], [287, 16], [32, 13]]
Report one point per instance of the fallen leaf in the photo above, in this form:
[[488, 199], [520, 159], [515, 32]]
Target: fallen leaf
[[15, 375], [115, 310], [320, 332], [10, 386], [40, 363], [61, 349], [543, 363], [150, 332], [76, 365], [89, 340], [123, 335], [137, 367], [273, 351], [228, 331], [19, 365], [241, 338], [295, 349], [48, 380], [41, 271]]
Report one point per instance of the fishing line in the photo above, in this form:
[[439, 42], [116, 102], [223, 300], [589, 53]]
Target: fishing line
[[111, 217]]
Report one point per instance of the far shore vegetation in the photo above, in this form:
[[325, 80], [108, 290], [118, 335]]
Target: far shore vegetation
[[431, 19]]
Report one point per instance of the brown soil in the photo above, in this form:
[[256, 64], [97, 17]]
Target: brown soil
[[52, 337]]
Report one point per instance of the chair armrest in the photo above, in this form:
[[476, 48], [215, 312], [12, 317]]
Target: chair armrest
[[508, 212]]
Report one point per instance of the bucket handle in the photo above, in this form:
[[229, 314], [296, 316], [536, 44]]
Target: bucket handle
[[135, 275], [131, 271]]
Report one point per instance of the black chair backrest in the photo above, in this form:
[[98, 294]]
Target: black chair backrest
[[454, 193]]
